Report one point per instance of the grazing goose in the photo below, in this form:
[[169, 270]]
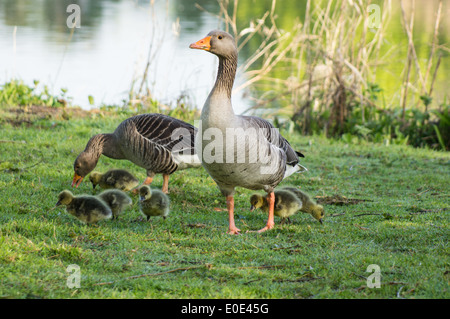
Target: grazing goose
[[153, 202], [286, 204], [88, 209], [114, 178], [309, 206], [161, 144], [116, 200], [263, 159]]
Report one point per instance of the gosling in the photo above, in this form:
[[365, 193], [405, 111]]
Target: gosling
[[117, 201], [286, 204], [114, 178], [88, 209], [153, 202], [309, 205]]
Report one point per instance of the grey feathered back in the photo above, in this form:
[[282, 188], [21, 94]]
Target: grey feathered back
[[274, 137], [153, 139]]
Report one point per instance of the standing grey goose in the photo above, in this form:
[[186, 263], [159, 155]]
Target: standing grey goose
[[275, 158], [159, 143]]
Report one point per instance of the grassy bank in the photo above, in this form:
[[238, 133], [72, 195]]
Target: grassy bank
[[385, 205]]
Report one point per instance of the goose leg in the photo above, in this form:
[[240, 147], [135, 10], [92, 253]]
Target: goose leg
[[148, 181], [233, 230], [270, 221], [165, 188]]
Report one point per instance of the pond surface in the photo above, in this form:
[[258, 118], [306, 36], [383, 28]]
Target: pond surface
[[110, 50]]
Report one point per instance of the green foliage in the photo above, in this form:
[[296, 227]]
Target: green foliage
[[416, 127], [16, 93], [181, 110], [331, 78], [442, 127], [91, 100]]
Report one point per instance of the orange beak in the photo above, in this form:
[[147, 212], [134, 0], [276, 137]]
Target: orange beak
[[76, 180], [203, 44]]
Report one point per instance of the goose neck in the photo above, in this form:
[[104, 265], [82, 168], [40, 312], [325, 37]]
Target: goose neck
[[103, 144], [225, 76]]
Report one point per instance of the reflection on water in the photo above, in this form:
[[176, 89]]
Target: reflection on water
[[111, 48]]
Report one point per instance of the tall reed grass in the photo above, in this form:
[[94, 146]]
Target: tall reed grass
[[330, 59]]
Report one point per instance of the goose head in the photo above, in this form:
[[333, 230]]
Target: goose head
[[145, 192], [95, 177], [83, 165], [64, 198], [318, 213], [256, 201], [218, 42]]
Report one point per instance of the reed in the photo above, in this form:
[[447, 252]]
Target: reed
[[331, 59]]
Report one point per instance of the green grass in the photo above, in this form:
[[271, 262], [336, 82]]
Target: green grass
[[402, 226]]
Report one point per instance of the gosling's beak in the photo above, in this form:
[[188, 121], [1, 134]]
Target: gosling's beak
[[141, 198], [203, 44], [252, 208], [76, 180], [321, 221], [58, 203]]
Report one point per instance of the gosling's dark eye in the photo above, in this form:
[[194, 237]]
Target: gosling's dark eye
[[220, 37]]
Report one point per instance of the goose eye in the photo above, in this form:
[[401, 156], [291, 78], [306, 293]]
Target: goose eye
[[220, 37]]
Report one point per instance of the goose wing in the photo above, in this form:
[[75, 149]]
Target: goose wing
[[273, 136], [172, 134], [155, 141]]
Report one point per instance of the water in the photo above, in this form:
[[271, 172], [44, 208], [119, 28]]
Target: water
[[110, 49]]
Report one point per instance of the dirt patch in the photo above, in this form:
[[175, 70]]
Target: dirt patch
[[29, 115], [339, 200]]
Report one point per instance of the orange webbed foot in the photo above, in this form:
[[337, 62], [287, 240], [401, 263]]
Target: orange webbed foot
[[234, 231]]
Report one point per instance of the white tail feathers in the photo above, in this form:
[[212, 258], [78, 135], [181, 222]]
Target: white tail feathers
[[294, 169], [186, 161]]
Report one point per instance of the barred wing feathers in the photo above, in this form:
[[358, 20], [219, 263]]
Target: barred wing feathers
[[273, 136]]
